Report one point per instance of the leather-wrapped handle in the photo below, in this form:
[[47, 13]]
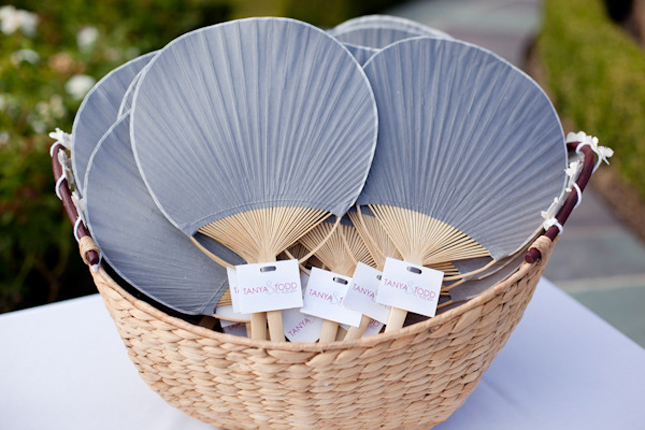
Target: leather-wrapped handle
[[91, 256], [533, 254]]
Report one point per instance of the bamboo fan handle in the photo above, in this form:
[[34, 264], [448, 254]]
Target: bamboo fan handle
[[570, 203], [396, 319], [276, 329], [258, 326], [328, 331], [91, 255], [356, 332]]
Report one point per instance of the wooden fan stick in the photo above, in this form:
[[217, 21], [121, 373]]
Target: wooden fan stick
[[472, 272], [258, 236], [423, 240], [374, 237], [336, 255], [358, 248]]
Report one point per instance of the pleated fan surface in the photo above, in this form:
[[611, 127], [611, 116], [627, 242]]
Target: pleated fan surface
[[250, 114], [361, 53], [389, 21], [98, 111], [466, 138], [136, 239]]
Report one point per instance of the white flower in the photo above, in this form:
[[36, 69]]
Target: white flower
[[4, 137], [56, 106], [37, 125], [28, 22], [26, 55], [86, 38], [12, 19], [78, 85]]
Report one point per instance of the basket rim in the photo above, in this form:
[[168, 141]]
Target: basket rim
[[542, 243]]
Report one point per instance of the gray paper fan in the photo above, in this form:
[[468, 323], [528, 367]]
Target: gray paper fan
[[372, 37], [465, 138], [361, 53], [469, 289], [253, 114], [98, 112], [139, 242], [126, 102], [389, 21]]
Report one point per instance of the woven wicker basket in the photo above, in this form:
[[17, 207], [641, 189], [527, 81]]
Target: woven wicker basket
[[416, 376]]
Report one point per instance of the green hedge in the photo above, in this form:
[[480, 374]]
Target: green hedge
[[39, 262], [596, 74]]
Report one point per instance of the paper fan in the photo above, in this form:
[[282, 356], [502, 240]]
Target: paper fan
[[373, 236], [254, 131], [98, 112], [126, 102], [374, 37], [471, 288], [339, 249], [361, 53], [138, 241], [470, 151], [389, 21]]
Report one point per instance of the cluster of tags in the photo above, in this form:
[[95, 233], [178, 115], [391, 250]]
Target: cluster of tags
[[266, 171]]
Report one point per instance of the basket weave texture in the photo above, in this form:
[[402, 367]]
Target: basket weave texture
[[416, 376]]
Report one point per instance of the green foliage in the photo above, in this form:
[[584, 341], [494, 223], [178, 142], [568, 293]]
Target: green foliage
[[596, 74], [38, 256], [39, 260]]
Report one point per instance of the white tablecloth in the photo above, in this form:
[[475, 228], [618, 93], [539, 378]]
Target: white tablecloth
[[63, 366]]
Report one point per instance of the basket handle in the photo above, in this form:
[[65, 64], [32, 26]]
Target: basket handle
[[89, 252], [533, 254]]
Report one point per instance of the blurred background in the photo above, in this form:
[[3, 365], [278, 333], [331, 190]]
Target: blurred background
[[586, 54]]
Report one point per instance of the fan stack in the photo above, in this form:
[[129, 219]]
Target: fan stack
[[404, 170]]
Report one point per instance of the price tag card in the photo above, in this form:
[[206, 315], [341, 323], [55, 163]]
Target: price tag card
[[236, 329], [228, 316], [410, 287], [361, 294], [299, 327], [324, 297], [264, 287]]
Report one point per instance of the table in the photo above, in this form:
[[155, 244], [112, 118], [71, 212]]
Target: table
[[63, 366]]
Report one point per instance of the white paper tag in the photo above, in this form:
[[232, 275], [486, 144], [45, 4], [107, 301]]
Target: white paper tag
[[264, 287], [410, 287], [373, 328], [324, 296], [232, 286], [236, 329], [361, 294], [299, 327], [228, 316]]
